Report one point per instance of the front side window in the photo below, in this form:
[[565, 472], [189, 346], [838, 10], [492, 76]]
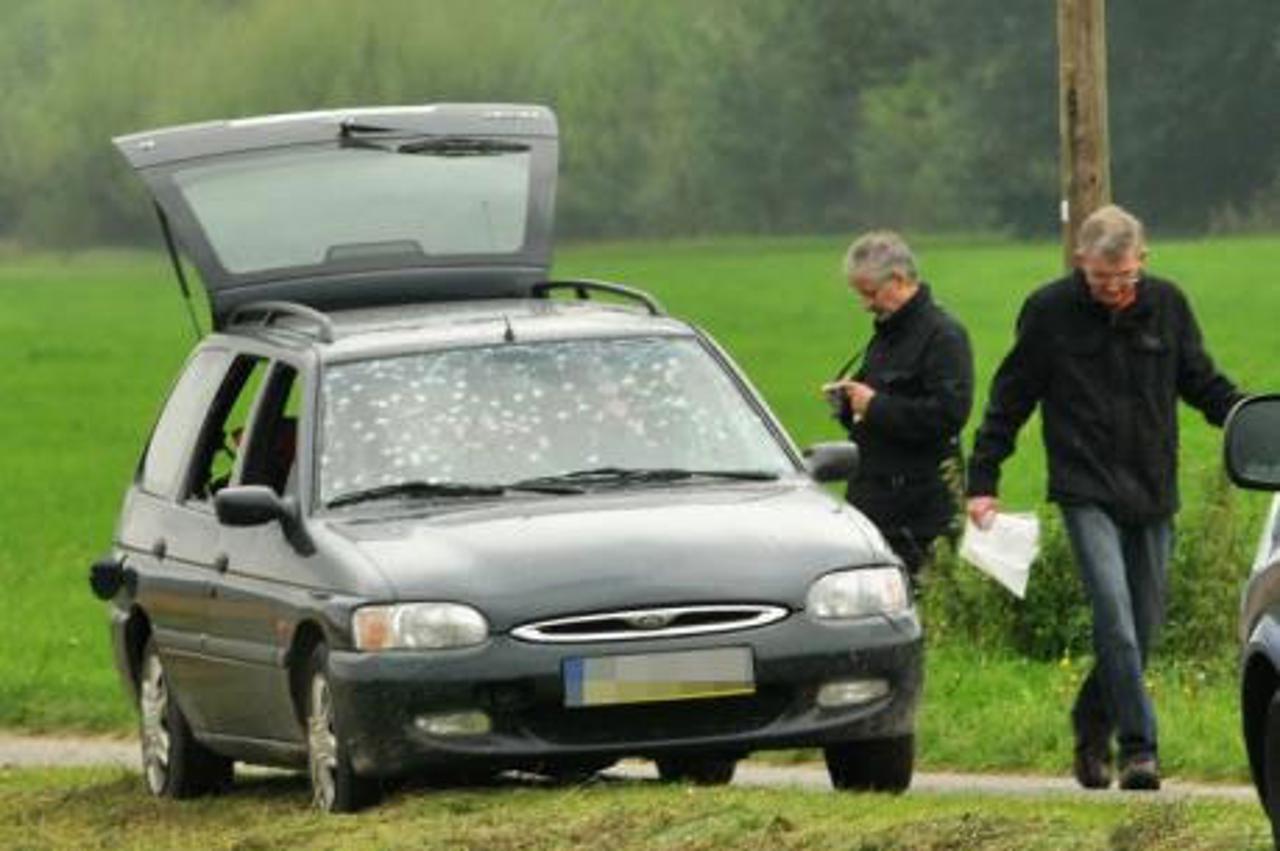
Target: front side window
[[271, 451], [501, 414], [223, 437]]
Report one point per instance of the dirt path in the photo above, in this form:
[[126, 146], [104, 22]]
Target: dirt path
[[32, 751]]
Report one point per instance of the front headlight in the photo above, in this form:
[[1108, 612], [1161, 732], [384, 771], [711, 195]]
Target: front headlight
[[858, 593], [420, 626]]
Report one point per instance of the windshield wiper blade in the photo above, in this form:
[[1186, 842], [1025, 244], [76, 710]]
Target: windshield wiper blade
[[415, 488], [744, 475], [594, 474], [679, 473], [624, 475], [540, 486]]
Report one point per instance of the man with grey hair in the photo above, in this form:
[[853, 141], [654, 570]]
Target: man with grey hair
[[1106, 352], [907, 400]]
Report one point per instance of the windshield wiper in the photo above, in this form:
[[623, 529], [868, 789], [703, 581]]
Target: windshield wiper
[[415, 488], [629, 475], [424, 489]]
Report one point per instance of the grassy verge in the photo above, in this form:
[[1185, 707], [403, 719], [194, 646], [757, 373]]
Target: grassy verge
[[107, 809]]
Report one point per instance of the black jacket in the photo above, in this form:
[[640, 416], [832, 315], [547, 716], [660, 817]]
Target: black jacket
[[920, 364], [1108, 385]]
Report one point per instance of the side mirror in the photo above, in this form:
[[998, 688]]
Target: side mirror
[[836, 461], [248, 505], [253, 505], [1251, 447]]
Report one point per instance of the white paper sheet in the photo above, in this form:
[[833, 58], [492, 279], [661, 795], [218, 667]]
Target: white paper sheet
[[1004, 550]]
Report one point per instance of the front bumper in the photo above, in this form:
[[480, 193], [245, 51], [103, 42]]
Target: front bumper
[[519, 685]]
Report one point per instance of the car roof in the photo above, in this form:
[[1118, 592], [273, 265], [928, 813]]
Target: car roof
[[360, 333]]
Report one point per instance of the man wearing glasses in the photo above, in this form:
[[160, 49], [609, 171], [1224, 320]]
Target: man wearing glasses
[[1106, 352]]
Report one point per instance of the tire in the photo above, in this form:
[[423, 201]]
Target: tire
[[873, 765], [698, 769], [1271, 767], [174, 764], [335, 786]]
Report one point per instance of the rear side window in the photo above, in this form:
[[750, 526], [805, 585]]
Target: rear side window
[[165, 460]]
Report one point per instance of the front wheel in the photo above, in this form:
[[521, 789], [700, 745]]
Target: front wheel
[[174, 764], [698, 769], [335, 787], [1271, 767], [873, 765]]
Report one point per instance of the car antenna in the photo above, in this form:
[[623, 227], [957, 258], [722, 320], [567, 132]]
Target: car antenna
[[177, 268], [508, 335]]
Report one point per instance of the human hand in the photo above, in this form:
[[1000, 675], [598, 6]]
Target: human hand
[[982, 510], [834, 393], [860, 396]]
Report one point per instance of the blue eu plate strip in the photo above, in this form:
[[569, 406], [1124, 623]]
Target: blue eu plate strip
[[573, 681]]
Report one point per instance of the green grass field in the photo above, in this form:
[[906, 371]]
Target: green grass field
[[91, 342], [108, 809]]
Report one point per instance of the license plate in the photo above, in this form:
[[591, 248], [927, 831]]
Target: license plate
[[654, 677]]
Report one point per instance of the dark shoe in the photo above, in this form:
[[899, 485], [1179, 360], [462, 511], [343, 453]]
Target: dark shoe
[[1093, 766], [1140, 773]]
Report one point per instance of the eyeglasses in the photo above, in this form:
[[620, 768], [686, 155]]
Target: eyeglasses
[[868, 287], [1123, 278]]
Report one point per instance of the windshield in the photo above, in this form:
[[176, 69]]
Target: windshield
[[333, 205], [508, 413]]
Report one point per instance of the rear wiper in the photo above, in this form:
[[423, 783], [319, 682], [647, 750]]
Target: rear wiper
[[461, 146], [625, 475], [415, 488], [369, 137]]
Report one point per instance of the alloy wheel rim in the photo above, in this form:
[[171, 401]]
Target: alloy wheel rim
[[322, 745], [156, 736]]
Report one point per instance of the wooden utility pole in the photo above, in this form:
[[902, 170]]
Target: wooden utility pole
[[1082, 110]]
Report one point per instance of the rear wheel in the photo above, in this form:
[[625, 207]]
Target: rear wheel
[[873, 765], [174, 764], [335, 786], [699, 769], [1271, 766]]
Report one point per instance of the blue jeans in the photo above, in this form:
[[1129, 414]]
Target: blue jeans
[[1124, 569]]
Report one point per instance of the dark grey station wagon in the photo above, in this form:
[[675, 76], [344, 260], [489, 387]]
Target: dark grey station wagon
[[408, 510]]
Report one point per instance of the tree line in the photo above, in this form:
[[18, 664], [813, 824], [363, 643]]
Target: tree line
[[677, 117]]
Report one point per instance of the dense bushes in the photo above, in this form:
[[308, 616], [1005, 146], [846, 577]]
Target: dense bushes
[[1212, 555]]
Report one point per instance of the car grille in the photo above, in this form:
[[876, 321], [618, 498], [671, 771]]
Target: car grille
[[637, 624], [654, 722]]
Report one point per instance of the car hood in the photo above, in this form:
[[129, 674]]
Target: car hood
[[357, 207], [525, 560]]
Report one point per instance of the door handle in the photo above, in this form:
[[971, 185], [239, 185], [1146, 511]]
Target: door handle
[[221, 562], [159, 548]]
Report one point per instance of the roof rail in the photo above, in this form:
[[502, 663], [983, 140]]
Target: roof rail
[[585, 286], [271, 310]]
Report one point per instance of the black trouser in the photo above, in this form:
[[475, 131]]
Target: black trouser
[[911, 512], [916, 552]]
